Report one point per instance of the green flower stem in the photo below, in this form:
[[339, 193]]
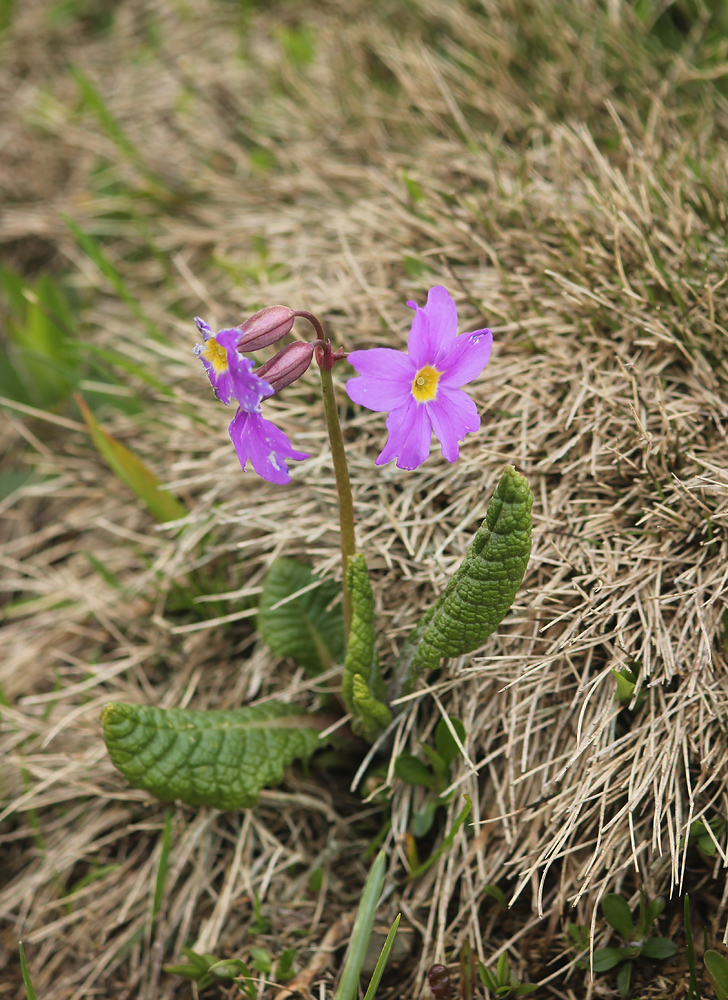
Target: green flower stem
[[343, 486]]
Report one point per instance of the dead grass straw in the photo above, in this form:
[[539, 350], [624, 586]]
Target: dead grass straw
[[566, 179]]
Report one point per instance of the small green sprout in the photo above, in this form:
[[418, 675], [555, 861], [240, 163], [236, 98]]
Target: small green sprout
[[207, 970], [638, 942], [504, 983], [262, 924], [698, 835], [434, 776], [626, 679]]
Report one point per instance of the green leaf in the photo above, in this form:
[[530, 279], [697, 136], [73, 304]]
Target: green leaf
[[624, 976], [607, 958], [652, 912], [716, 965], [284, 965], [188, 971], [362, 688], [262, 961], [220, 757], [497, 894], [424, 818], [707, 845], [480, 593], [382, 960], [487, 978], [348, 987], [370, 716], [502, 970], [302, 627], [445, 742], [43, 366], [523, 989], [658, 947], [411, 769], [625, 686], [617, 913], [132, 470]]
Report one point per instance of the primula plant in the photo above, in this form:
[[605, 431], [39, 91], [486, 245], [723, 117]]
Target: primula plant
[[224, 757]]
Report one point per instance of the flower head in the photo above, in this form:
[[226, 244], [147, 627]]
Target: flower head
[[232, 377], [421, 389]]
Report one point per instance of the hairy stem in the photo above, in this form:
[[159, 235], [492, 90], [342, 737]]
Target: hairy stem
[[343, 486]]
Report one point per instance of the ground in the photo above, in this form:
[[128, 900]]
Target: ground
[[562, 170]]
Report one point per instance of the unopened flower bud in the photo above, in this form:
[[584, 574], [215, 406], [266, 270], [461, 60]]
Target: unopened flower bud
[[287, 366], [266, 327]]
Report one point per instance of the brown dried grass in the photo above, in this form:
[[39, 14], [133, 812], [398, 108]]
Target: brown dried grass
[[569, 189]]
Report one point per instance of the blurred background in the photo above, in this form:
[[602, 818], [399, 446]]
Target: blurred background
[[562, 167]]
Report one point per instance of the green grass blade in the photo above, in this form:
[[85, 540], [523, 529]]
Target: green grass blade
[[382, 960], [445, 845], [163, 864], [108, 123], [93, 251], [132, 470], [348, 987], [29, 991]]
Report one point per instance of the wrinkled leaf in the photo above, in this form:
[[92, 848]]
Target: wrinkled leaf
[[362, 688], [483, 589], [219, 758], [304, 628], [132, 470]]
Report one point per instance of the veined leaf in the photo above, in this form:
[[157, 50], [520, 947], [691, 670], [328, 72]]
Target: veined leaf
[[220, 757], [362, 688], [480, 593], [302, 627], [132, 470]]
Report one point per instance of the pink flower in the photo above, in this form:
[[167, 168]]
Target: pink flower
[[421, 390], [232, 377]]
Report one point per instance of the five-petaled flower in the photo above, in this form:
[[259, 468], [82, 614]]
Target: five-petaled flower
[[232, 377], [421, 390]]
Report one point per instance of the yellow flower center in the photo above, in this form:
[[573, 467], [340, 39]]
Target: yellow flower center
[[424, 387], [216, 355]]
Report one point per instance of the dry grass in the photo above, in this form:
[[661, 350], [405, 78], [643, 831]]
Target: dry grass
[[566, 178]]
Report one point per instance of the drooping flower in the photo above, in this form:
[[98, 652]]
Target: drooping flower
[[233, 378], [421, 389]]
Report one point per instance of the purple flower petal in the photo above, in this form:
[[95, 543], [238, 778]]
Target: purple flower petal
[[220, 380], [385, 378], [434, 329], [410, 433], [246, 387], [453, 415], [204, 328], [467, 359], [266, 446]]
